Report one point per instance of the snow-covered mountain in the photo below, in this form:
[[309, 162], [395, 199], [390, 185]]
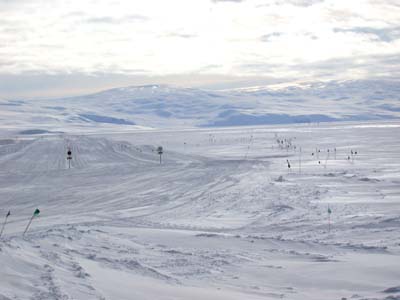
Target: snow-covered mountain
[[166, 106]]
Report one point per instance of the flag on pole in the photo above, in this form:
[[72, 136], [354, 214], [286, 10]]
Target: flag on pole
[[35, 214], [5, 222], [329, 218]]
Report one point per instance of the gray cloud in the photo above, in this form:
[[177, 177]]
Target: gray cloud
[[382, 34], [6, 63], [111, 20], [51, 46], [260, 67], [269, 36], [300, 3], [395, 3], [102, 20], [220, 1], [135, 18], [372, 66], [181, 35], [209, 68], [37, 85], [75, 14], [67, 36], [311, 35]]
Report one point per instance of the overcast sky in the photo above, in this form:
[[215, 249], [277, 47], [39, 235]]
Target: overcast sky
[[62, 47]]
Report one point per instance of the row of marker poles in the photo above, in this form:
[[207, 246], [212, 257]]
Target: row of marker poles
[[35, 214], [316, 153]]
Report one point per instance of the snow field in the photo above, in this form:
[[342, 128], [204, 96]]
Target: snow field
[[222, 217]]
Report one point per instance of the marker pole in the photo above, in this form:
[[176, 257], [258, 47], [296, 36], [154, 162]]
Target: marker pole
[[329, 219], [4, 224], [300, 161], [35, 214], [29, 224], [329, 223]]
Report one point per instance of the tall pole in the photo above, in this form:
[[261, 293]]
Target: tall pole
[[160, 152], [29, 224], [4, 224], [69, 157], [329, 223], [329, 219], [35, 214], [300, 161], [327, 157]]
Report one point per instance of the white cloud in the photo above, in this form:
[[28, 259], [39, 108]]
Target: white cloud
[[155, 37]]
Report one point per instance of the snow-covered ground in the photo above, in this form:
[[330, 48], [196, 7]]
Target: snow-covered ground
[[221, 218]]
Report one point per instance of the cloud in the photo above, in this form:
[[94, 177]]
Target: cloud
[[112, 20], [365, 66], [102, 20], [36, 85], [383, 34], [6, 63], [268, 37], [299, 3], [259, 67], [221, 1], [181, 35], [75, 14], [135, 18], [276, 38], [302, 3], [362, 67]]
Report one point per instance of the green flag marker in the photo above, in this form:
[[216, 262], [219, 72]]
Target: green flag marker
[[35, 214], [329, 219]]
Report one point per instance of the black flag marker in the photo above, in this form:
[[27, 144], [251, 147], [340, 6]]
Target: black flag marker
[[4, 224]]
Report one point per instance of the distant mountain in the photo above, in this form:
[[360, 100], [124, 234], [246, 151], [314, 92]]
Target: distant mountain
[[166, 106]]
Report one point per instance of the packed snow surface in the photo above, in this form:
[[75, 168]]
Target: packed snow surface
[[222, 217]]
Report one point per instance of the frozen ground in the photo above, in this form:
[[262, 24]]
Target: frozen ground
[[215, 221]]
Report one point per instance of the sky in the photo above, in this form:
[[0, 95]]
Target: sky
[[51, 48]]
